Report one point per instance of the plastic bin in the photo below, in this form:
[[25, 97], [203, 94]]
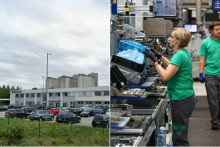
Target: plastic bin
[[127, 63]]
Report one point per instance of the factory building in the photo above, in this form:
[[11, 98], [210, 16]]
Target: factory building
[[76, 81], [62, 97]]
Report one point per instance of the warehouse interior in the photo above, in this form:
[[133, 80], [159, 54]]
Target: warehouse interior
[[139, 100]]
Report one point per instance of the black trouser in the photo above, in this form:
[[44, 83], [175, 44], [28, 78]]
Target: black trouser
[[212, 84], [181, 111]]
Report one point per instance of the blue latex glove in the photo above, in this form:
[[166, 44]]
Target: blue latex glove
[[201, 78]]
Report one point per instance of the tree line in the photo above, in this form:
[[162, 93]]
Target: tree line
[[5, 91]]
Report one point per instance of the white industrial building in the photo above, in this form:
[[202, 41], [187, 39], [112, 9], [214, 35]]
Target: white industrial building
[[62, 97], [76, 81]]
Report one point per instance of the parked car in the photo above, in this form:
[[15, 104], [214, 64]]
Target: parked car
[[10, 113], [40, 115], [107, 112], [3, 108], [61, 110], [98, 111], [20, 113], [100, 120], [77, 111], [54, 111], [30, 109], [87, 112], [68, 117], [14, 106]]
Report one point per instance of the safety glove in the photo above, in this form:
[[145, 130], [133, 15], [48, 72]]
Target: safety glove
[[151, 55], [201, 78], [156, 54]]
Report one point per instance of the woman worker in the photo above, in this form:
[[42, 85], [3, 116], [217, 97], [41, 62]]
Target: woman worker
[[178, 75]]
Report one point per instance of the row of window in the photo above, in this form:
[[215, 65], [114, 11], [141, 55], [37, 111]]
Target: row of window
[[65, 94], [65, 104]]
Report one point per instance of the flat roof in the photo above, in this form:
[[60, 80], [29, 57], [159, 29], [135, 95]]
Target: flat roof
[[4, 99]]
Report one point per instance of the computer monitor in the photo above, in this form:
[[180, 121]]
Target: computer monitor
[[191, 27], [216, 5]]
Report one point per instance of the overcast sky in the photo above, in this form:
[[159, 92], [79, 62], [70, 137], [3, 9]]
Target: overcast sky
[[75, 32]]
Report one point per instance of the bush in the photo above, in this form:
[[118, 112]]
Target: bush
[[12, 135]]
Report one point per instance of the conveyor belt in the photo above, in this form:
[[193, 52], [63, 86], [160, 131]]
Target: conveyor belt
[[200, 132]]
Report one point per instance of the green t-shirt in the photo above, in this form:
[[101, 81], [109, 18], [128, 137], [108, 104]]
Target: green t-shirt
[[211, 49], [180, 86]]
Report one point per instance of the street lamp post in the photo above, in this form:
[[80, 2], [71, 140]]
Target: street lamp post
[[43, 91], [47, 83]]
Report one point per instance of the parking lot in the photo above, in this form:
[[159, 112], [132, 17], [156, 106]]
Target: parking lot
[[85, 121]]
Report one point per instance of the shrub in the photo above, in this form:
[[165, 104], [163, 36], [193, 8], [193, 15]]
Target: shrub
[[12, 135]]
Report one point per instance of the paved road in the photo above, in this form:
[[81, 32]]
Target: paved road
[[85, 121]]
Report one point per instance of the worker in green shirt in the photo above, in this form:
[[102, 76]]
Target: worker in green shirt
[[210, 66], [178, 75]]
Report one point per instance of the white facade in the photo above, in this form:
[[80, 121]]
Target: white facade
[[77, 80], [63, 97]]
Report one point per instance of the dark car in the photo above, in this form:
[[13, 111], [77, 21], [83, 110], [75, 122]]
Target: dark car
[[3, 108], [30, 109], [77, 111], [10, 113], [100, 120], [14, 106], [68, 117], [20, 113], [87, 112]]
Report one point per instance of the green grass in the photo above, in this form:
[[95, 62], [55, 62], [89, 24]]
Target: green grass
[[52, 134]]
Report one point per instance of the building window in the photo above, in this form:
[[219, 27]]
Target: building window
[[38, 94], [38, 103], [89, 102], [17, 95], [97, 102], [27, 94], [97, 93], [57, 104], [50, 94], [80, 102], [65, 93], [72, 104], [32, 95], [57, 94], [88, 93], [106, 93], [106, 102], [64, 104], [21, 95]]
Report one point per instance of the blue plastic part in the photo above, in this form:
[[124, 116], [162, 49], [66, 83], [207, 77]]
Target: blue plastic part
[[127, 44], [114, 7], [116, 128]]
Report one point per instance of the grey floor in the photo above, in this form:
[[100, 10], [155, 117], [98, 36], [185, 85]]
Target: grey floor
[[199, 132]]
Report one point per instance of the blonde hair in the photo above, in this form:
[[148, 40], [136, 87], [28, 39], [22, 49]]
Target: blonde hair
[[183, 35]]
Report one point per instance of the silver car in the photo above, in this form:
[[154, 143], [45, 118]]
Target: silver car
[[41, 115]]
